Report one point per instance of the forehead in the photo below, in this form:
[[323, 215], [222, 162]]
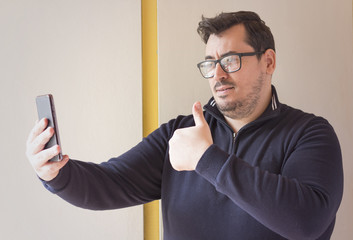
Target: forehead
[[230, 40]]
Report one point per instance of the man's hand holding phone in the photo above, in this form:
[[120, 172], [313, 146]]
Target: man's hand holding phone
[[38, 156], [43, 144]]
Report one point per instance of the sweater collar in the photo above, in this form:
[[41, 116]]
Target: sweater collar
[[272, 109]]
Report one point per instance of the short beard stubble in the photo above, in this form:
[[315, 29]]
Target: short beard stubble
[[243, 108]]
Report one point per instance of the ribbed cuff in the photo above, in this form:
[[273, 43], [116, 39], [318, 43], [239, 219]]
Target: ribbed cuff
[[60, 181], [211, 163]]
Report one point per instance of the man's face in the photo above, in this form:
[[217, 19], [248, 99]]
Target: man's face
[[237, 94]]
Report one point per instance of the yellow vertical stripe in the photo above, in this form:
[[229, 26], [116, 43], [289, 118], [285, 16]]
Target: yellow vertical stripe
[[150, 99]]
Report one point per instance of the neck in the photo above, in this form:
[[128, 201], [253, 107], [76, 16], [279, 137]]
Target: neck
[[237, 124]]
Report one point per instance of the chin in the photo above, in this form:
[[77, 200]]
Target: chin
[[225, 100]]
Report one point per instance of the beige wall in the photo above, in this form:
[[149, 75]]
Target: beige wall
[[88, 55], [314, 65]]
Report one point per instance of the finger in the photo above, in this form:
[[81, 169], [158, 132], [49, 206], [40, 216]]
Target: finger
[[51, 169], [37, 129], [44, 156], [39, 142], [63, 161], [198, 114], [57, 165]]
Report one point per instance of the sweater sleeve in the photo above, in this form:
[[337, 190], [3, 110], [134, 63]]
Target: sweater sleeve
[[300, 202], [130, 179]]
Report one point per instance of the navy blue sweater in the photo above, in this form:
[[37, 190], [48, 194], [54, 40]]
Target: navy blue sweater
[[279, 177]]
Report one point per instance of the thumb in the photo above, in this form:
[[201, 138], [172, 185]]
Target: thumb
[[198, 114]]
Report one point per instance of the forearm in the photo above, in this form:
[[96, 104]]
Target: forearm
[[92, 186], [293, 208], [130, 179]]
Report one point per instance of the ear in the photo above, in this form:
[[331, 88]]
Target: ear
[[270, 59]]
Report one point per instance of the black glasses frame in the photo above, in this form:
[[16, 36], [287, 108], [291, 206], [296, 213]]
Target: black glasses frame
[[232, 54]]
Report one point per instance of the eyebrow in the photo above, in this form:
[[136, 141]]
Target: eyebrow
[[208, 57]]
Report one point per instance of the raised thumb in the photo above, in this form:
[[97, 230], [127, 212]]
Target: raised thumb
[[198, 114]]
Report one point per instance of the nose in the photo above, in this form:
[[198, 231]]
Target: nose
[[219, 73]]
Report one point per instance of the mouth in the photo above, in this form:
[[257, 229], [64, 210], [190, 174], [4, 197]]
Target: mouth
[[224, 89]]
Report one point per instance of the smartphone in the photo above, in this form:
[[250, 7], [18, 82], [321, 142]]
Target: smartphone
[[46, 109]]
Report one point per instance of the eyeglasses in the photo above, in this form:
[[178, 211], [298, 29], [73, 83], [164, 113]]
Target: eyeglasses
[[229, 63]]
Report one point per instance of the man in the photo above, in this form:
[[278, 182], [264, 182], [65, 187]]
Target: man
[[248, 167]]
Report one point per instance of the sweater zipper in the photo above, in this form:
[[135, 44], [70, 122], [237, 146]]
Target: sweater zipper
[[234, 134], [233, 144]]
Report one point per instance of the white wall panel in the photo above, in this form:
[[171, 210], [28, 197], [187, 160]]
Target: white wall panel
[[88, 55]]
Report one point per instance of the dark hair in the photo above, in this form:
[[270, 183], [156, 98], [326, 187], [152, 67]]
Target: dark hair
[[258, 35]]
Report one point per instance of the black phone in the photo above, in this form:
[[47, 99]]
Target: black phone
[[46, 109]]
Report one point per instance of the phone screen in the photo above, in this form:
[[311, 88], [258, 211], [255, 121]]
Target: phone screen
[[46, 109]]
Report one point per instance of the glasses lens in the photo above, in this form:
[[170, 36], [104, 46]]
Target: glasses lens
[[207, 68], [230, 63]]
